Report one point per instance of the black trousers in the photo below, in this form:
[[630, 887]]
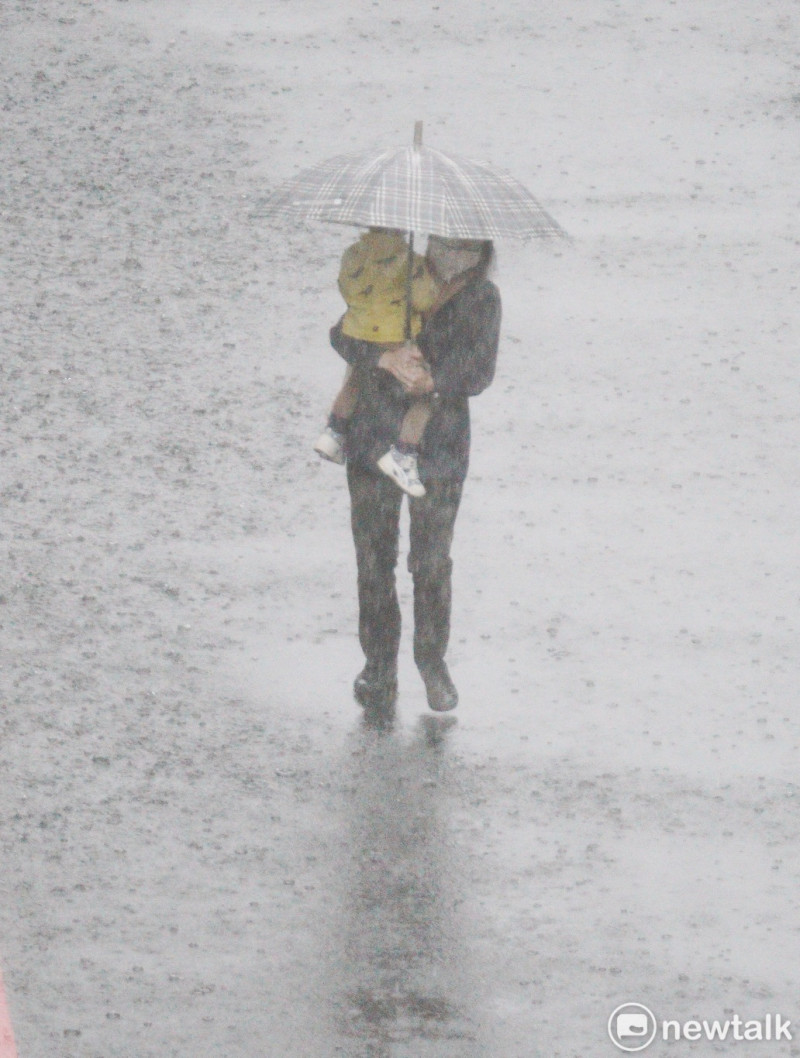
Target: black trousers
[[375, 503]]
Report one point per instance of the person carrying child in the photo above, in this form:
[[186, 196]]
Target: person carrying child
[[373, 280], [452, 360]]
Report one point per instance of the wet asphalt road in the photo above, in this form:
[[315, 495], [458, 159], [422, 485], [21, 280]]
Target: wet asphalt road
[[254, 891], [203, 847]]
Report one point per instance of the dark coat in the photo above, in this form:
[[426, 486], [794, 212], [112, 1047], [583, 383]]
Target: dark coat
[[459, 342]]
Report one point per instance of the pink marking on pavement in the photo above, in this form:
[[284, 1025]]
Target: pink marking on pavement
[[8, 1048]]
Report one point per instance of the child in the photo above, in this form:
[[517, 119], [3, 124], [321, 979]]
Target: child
[[373, 280]]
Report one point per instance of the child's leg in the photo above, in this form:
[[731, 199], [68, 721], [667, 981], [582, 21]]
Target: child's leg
[[331, 442], [400, 462], [345, 403], [415, 421]]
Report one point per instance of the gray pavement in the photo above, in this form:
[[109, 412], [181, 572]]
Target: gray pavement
[[203, 847]]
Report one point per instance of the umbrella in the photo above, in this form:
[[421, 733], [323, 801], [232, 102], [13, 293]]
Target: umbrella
[[415, 189]]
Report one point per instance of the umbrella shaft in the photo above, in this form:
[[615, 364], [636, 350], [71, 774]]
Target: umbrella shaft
[[409, 284]]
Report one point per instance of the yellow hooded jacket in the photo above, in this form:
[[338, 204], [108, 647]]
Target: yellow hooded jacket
[[372, 280]]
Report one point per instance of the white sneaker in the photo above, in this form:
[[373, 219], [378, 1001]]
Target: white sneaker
[[402, 468], [330, 445]]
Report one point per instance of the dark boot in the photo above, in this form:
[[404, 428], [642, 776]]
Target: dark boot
[[375, 687], [441, 691]]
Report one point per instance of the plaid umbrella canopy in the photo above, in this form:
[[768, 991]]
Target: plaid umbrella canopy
[[415, 189]]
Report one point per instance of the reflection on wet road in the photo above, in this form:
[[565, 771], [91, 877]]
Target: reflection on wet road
[[402, 984]]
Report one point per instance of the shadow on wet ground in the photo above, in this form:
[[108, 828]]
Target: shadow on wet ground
[[403, 983]]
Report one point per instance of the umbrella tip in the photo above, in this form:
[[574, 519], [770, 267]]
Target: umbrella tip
[[417, 133]]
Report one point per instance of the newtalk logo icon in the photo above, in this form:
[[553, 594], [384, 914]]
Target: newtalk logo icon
[[633, 1027]]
